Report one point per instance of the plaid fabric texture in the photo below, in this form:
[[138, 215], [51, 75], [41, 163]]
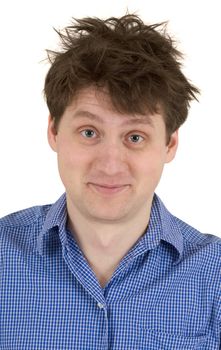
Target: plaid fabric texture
[[165, 293]]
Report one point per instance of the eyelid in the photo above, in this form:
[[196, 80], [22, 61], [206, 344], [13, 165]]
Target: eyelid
[[138, 133], [88, 127]]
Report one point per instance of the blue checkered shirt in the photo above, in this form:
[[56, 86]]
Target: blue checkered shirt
[[165, 293]]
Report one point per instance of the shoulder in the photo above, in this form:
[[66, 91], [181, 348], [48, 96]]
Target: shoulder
[[202, 249], [22, 227], [194, 238], [187, 239], [24, 217], [19, 232]]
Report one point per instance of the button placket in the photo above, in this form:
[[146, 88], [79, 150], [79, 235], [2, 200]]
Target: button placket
[[101, 306], [105, 340]]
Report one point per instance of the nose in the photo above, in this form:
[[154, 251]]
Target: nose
[[111, 158]]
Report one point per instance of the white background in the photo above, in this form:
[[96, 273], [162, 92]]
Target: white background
[[190, 186]]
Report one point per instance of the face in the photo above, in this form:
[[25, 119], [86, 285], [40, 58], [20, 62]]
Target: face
[[109, 163]]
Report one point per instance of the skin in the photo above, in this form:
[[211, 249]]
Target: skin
[[110, 164]]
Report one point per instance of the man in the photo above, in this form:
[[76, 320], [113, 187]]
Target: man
[[107, 266]]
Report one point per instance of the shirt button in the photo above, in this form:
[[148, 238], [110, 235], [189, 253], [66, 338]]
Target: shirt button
[[101, 306]]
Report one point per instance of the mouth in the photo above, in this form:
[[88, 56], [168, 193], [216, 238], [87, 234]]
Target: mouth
[[108, 189]]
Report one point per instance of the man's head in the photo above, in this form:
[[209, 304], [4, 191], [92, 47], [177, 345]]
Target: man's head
[[116, 98], [137, 64]]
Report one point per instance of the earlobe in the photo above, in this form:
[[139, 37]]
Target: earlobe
[[52, 134], [172, 147]]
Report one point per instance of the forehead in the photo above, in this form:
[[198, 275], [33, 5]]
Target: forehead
[[95, 104]]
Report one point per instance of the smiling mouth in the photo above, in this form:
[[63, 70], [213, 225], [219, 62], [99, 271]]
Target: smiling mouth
[[108, 189]]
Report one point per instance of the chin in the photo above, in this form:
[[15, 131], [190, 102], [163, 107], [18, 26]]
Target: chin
[[108, 216]]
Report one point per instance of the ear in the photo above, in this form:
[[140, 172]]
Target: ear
[[172, 147], [52, 134]]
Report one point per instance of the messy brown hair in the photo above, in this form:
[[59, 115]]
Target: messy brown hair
[[138, 64]]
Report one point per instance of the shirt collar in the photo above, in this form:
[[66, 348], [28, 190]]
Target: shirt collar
[[162, 226], [55, 222]]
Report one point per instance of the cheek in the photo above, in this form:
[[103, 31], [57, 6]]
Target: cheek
[[71, 159], [152, 161], [150, 167]]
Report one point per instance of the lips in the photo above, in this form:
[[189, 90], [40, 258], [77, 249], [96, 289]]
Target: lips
[[107, 188]]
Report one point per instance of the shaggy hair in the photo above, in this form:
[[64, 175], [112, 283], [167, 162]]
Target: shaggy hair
[[138, 64]]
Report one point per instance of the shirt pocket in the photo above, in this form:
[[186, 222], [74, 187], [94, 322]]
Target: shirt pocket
[[156, 340]]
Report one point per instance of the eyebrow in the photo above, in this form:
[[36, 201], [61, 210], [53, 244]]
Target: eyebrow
[[146, 120]]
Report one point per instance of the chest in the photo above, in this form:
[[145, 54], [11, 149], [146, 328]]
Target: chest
[[54, 306]]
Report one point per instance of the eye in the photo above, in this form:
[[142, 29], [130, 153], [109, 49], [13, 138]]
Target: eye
[[88, 133], [135, 138]]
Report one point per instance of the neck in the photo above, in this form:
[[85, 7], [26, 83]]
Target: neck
[[104, 244]]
